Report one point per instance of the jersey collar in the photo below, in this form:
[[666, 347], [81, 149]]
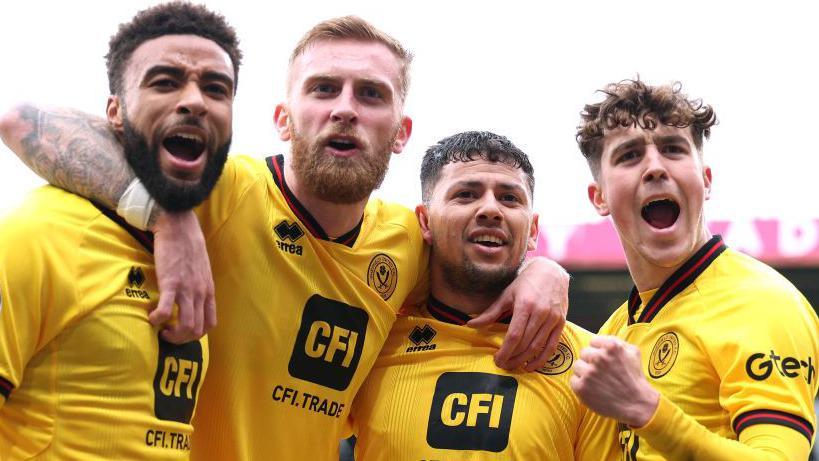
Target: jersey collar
[[679, 281], [276, 166], [444, 313], [146, 239]]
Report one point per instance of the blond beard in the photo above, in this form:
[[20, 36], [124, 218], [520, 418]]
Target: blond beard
[[342, 180]]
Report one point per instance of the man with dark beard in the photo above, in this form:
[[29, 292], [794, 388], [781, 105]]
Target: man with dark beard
[[310, 272], [434, 392], [83, 374]]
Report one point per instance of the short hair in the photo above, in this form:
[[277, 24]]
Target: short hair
[[467, 147], [355, 28], [175, 18], [633, 103]]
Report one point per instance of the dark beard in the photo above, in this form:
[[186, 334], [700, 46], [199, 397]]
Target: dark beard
[[169, 194], [469, 279], [335, 179]]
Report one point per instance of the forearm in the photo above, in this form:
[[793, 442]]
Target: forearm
[[676, 435], [69, 149]]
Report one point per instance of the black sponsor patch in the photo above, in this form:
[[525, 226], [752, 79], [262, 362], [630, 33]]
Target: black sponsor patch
[[472, 411], [178, 374], [329, 343]]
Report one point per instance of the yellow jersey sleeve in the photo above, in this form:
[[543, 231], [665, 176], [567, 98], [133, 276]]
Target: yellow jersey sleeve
[[27, 290], [679, 436]]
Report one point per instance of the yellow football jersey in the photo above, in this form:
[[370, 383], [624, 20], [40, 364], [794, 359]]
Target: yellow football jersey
[[301, 317], [83, 375], [436, 394], [732, 344]]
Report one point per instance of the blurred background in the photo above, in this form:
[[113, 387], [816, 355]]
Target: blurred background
[[524, 70]]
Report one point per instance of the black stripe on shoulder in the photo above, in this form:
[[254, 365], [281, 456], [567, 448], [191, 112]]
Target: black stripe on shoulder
[[146, 239], [5, 387], [781, 418]]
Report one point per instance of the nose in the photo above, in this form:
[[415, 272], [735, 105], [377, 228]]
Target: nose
[[191, 101], [489, 211], [655, 168], [345, 108]]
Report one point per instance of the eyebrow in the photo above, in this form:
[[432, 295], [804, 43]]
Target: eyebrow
[[178, 73], [655, 139], [478, 184]]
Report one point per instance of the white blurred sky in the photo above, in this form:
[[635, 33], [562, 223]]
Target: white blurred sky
[[517, 68]]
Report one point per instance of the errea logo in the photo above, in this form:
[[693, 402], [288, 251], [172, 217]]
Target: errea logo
[[421, 338], [286, 231], [136, 278]]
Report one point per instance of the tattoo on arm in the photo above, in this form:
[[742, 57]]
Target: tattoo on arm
[[75, 151]]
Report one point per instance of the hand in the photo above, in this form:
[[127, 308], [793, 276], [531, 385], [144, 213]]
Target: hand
[[184, 277], [539, 301], [609, 379]]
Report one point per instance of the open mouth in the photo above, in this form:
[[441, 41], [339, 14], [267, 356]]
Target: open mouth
[[184, 146], [661, 214], [487, 241], [342, 144]]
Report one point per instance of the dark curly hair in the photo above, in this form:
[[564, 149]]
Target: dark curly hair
[[467, 147], [633, 103], [168, 19]]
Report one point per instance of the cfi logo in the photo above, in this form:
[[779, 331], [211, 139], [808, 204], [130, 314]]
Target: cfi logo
[[136, 278], [382, 275], [560, 362], [663, 355], [422, 337], [292, 232]]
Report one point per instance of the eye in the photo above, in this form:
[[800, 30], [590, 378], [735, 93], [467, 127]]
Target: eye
[[164, 84], [324, 89], [674, 149], [627, 156], [465, 195], [510, 198], [217, 89], [370, 92]]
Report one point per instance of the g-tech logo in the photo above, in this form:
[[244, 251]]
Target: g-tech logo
[[329, 343], [286, 231], [760, 366], [472, 411], [422, 337], [178, 374]]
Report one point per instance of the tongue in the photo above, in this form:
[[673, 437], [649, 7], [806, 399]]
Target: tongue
[[660, 215]]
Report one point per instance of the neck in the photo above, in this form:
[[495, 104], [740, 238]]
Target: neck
[[651, 273], [468, 303], [335, 218]]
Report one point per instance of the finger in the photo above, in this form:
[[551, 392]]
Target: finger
[[182, 331], [210, 313], [603, 341], [493, 313], [199, 317], [528, 344], [547, 350], [532, 353], [581, 368], [514, 334], [164, 309]]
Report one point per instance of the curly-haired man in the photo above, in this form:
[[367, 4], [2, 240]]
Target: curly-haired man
[[713, 355], [83, 373]]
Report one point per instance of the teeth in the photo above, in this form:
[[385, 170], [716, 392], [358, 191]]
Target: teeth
[[189, 136], [487, 239]]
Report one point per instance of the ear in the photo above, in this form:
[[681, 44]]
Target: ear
[[403, 135], [423, 220], [597, 200], [113, 111], [282, 120], [706, 176], [531, 241]]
